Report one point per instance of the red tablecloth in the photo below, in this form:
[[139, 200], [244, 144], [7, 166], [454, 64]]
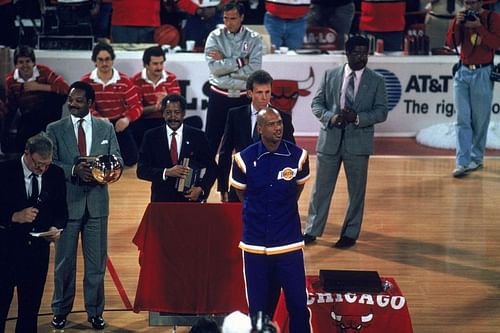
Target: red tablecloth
[[190, 260], [386, 312]]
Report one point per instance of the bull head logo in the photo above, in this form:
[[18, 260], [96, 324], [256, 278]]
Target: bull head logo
[[351, 323], [286, 92]]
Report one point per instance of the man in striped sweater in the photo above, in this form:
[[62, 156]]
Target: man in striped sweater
[[153, 84], [116, 99], [35, 95]]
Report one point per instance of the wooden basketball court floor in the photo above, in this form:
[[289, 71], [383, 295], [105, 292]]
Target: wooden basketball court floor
[[436, 235]]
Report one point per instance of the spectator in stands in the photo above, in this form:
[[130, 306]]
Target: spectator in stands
[[163, 153], [335, 14], [9, 35], [286, 22], [153, 84], [233, 53], [101, 15], [205, 325], [134, 21], [116, 99], [241, 128], [349, 102], [34, 98], [439, 17], [478, 36], [385, 20], [202, 17]]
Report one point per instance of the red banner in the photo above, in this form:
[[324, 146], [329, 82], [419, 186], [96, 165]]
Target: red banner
[[348, 312]]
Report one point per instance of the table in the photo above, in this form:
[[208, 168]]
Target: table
[[190, 260], [385, 312]]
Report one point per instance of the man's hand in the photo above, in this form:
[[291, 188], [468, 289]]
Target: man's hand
[[177, 171], [121, 124], [224, 196], [27, 215], [349, 115], [215, 54], [193, 193], [83, 171], [338, 121], [53, 237]]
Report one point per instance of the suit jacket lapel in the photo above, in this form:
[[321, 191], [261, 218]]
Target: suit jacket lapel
[[337, 84], [363, 86], [185, 146], [248, 119], [69, 136]]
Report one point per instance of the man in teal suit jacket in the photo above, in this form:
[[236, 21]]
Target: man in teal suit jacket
[[347, 115], [88, 205]]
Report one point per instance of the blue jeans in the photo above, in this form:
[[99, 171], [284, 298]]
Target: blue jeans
[[286, 32], [129, 34], [339, 18], [472, 97]]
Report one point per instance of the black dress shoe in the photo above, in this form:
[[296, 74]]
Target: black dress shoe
[[59, 321], [344, 242], [308, 239], [97, 322]]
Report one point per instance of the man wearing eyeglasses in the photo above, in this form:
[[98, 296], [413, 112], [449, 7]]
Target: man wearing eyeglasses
[[32, 213], [116, 99], [477, 32]]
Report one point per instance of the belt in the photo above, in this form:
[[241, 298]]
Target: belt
[[232, 93], [473, 67]]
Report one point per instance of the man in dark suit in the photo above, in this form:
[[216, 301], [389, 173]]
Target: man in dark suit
[[32, 201], [163, 153], [349, 102], [240, 130], [81, 135]]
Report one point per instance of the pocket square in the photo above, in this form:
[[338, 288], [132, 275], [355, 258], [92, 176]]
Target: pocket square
[[104, 142]]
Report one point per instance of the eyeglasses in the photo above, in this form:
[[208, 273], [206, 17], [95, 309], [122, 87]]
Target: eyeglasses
[[40, 164], [470, 3]]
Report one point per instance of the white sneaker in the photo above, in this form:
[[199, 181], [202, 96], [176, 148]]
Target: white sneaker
[[473, 166], [460, 171]]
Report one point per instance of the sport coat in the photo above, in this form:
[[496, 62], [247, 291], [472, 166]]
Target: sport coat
[[154, 158], [238, 135], [93, 197], [13, 198], [370, 103]]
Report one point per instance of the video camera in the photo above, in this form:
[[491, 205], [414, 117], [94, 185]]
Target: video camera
[[470, 15]]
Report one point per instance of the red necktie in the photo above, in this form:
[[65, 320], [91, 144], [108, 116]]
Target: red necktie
[[82, 144], [173, 149]]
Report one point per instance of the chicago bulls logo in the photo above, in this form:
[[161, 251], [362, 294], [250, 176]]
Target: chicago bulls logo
[[286, 92], [351, 322]]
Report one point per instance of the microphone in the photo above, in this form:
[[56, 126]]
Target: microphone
[[41, 199]]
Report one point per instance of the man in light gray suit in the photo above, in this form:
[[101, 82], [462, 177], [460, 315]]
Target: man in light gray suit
[[350, 100], [74, 137]]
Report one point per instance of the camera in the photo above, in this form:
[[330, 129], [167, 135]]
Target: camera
[[470, 15], [262, 324]]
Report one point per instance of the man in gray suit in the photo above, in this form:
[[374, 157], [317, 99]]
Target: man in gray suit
[[350, 100], [74, 137]]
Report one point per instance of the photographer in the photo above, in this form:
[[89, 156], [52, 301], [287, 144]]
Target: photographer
[[477, 32]]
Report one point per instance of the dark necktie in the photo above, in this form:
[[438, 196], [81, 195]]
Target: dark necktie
[[255, 133], [173, 149], [82, 144], [34, 189], [349, 93]]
